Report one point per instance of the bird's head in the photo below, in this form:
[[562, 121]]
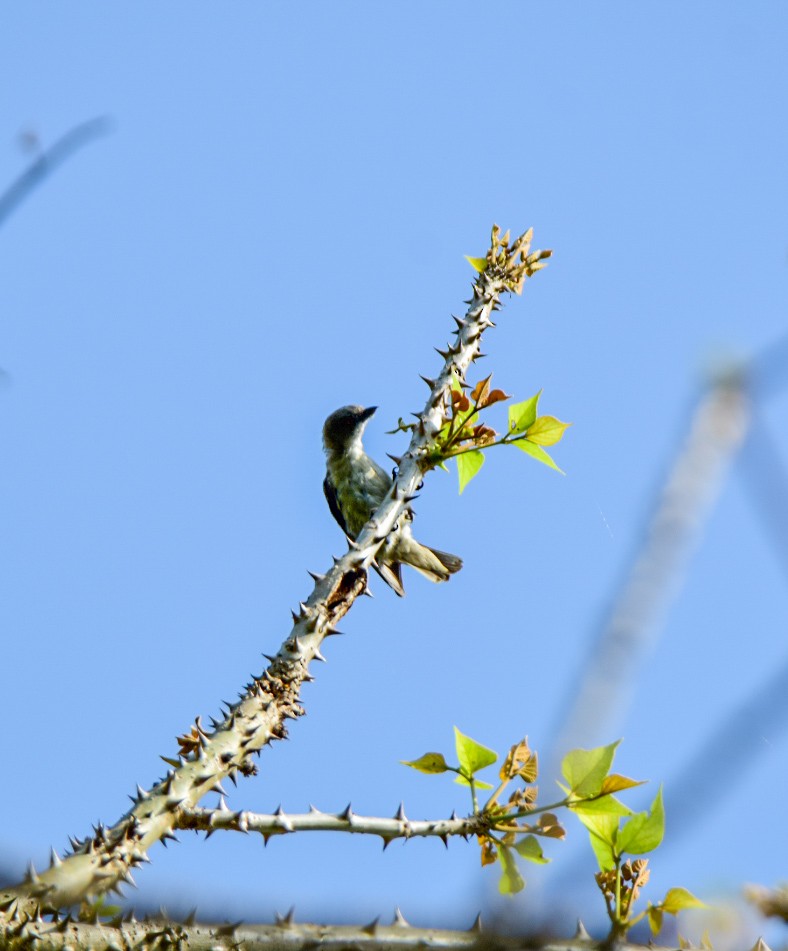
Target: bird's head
[[345, 426]]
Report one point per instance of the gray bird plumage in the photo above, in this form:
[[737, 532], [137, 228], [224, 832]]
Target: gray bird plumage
[[355, 485]]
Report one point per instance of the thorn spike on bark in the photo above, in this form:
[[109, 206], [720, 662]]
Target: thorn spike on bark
[[372, 928], [400, 813], [285, 921], [580, 932], [222, 807], [294, 616], [317, 578], [218, 788], [430, 383], [477, 924], [442, 353], [32, 875], [347, 813], [460, 323], [445, 839], [453, 815], [191, 917], [399, 919], [54, 858], [129, 879], [319, 656], [397, 460]]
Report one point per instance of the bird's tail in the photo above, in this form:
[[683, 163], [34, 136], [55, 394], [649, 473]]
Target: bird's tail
[[432, 563]]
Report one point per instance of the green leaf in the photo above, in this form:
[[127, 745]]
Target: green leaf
[[472, 755], [511, 880], [585, 770], [429, 763], [468, 464], [529, 848], [478, 264], [655, 919], [537, 452], [601, 817], [679, 898], [547, 431], [478, 783], [603, 852], [644, 831], [522, 415]]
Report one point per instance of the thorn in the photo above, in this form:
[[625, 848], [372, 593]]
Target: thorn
[[372, 927], [317, 578], [319, 656], [387, 840], [294, 616], [128, 878], [430, 383], [409, 498], [477, 924], [170, 761], [32, 875], [399, 920], [347, 813], [191, 917], [314, 810], [400, 813], [367, 593], [445, 839], [285, 921], [270, 658], [460, 323], [218, 788], [442, 353], [222, 807], [580, 932], [228, 929], [453, 815], [397, 460], [141, 793], [54, 859]]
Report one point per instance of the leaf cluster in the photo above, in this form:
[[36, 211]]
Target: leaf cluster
[[509, 830], [465, 437], [514, 822], [615, 832]]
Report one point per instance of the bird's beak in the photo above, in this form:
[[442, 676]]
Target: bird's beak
[[367, 413]]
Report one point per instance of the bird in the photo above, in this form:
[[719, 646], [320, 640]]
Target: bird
[[355, 486]]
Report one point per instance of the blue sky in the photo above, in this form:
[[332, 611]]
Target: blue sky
[[275, 227]]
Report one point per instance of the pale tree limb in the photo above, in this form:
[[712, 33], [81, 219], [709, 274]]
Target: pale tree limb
[[125, 934], [717, 429], [104, 861], [282, 823]]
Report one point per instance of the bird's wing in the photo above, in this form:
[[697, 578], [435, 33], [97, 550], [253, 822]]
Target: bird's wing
[[391, 573], [333, 504]]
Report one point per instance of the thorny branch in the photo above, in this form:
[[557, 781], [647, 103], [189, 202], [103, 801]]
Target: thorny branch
[[103, 861]]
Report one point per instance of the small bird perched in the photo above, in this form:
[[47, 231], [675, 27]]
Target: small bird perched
[[355, 485]]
